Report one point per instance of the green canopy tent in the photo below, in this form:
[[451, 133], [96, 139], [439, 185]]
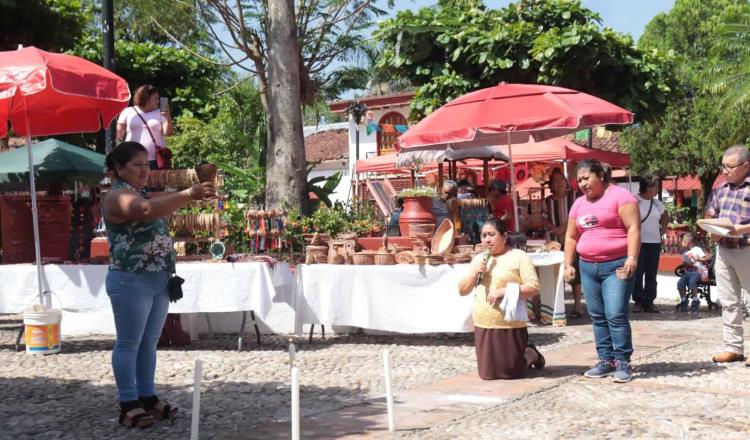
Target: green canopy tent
[[55, 161]]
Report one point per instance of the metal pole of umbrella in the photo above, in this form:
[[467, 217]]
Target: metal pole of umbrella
[[513, 184], [34, 212]]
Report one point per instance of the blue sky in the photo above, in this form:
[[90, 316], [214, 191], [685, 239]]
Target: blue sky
[[628, 16]]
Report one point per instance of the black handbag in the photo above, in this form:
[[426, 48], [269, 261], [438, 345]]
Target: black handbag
[[174, 285]]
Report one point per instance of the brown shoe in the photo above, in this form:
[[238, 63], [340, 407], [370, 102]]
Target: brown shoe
[[728, 356]]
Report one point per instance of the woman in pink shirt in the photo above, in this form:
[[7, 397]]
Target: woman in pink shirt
[[604, 229]]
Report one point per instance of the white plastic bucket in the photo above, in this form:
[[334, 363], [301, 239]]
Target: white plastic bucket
[[42, 331]]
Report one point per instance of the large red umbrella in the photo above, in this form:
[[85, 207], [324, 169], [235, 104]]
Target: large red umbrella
[[510, 114], [43, 93]]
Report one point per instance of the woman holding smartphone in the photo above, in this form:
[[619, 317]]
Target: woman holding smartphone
[[604, 228], [147, 122]]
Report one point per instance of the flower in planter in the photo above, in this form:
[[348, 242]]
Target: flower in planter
[[420, 191]]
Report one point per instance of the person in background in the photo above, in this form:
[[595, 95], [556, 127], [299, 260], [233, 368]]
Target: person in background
[[145, 123], [396, 216], [654, 217], [502, 204], [465, 191], [142, 258], [556, 209], [732, 265], [442, 206], [502, 346], [694, 261], [604, 230]]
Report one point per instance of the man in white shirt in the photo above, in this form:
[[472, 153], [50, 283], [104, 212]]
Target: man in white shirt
[[654, 217]]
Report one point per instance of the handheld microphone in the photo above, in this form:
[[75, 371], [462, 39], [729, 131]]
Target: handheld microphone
[[485, 260]]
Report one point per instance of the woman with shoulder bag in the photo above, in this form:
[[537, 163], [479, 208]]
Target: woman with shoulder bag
[[146, 124], [654, 217], [142, 259]]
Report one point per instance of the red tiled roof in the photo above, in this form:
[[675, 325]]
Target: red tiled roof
[[683, 183], [327, 145], [373, 102], [607, 141]]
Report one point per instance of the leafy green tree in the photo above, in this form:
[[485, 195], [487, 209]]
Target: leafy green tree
[[53, 25], [460, 46], [189, 81], [691, 135]]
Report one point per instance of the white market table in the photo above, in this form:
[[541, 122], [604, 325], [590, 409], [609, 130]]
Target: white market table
[[208, 288], [406, 298]]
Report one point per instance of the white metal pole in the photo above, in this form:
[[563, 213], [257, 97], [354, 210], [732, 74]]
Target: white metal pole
[[513, 185], [195, 417], [295, 404], [292, 353], [389, 391], [35, 217]]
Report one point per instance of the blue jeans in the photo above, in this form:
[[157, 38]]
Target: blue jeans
[[140, 302], [644, 291], [689, 280], [607, 300]]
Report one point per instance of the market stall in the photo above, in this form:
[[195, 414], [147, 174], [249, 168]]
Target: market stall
[[86, 308], [406, 298]]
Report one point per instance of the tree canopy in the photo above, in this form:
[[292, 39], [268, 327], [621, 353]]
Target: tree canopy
[[53, 25], [693, 132], [461, 45]]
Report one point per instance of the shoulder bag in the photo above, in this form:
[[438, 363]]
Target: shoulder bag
[[163, 154]]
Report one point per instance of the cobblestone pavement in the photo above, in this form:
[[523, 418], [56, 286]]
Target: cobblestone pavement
[[71, 395], [678, 392]]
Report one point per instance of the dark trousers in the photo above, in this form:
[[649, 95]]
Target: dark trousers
[[644, 291]]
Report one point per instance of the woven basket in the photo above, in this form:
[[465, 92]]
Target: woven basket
[[465, 249], [426, 228], [420, 260], [363, 259], [405, 257], [317, 250], [347, 236], [321, 259], [385, 259]]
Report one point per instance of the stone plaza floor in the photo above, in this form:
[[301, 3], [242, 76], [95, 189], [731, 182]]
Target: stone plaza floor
[[677, 391]]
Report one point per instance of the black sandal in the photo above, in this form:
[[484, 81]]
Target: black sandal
[[540, 362], [167, 412], [140, 420]]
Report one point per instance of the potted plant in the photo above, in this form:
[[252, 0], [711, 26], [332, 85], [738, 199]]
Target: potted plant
[[417, 208]]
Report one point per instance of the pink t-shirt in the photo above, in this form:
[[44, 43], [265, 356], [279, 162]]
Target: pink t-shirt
[[603, 234]]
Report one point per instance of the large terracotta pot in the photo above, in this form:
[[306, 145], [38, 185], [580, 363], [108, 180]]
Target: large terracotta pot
[[417, 210]]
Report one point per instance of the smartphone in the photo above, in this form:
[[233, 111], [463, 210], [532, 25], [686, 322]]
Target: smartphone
[[163, 104]]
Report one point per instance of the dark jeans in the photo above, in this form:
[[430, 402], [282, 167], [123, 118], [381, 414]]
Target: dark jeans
[[607, 300], [644, 292]]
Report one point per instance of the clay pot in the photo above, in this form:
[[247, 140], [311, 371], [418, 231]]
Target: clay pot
[[206, 172], [417, 210]]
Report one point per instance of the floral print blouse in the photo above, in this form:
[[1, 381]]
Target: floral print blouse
[[140, 246]]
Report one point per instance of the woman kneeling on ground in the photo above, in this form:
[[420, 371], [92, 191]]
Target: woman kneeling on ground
[[503, 350], [141, 261]]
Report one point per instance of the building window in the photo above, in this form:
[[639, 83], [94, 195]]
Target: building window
[[387, 135]]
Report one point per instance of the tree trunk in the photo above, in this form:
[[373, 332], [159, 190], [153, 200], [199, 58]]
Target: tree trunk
[[286, 169]]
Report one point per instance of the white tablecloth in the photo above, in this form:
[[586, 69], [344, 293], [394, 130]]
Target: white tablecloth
[[405, 298], [209, 287]]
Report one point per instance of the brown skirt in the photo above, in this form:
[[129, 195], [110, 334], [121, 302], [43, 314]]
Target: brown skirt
[[500, 352]]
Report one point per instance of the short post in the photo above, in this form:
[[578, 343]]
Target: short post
[[292, 353], [389, 391], [295, 404], [196, 399]]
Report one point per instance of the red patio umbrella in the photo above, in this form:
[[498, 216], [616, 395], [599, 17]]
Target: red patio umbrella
[[510, 114], [43, 93]]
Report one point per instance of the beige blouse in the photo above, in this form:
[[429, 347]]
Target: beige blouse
[[513, 266]]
